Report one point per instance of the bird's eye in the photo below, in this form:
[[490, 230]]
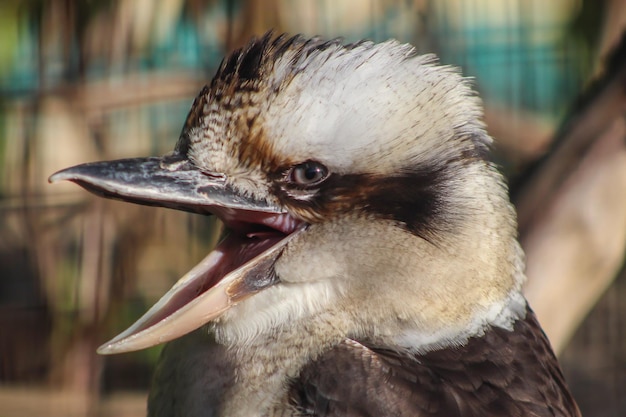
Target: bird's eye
[[308, 173]]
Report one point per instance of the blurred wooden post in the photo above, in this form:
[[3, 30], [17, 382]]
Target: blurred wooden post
[[576, 249], [572, 211]]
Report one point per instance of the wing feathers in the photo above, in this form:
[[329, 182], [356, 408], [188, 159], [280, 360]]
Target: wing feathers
[[504, 373]]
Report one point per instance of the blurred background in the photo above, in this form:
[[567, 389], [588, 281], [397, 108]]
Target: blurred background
[[103, 79]]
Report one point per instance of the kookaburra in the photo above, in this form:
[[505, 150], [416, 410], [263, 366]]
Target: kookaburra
[[371, 266]]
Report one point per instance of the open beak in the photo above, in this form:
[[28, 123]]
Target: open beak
[[240, 266]]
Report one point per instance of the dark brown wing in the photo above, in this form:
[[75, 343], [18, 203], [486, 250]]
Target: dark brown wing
[[500, 374], [191, 378]]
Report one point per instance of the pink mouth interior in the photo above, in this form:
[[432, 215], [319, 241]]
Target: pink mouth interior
[[252, 233]]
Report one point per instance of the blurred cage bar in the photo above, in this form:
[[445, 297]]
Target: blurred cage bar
[[104, 79]]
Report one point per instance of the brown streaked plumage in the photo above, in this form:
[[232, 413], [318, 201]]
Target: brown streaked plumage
[[372, 266]]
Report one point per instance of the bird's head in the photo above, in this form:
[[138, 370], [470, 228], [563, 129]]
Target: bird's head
[[354, 182]]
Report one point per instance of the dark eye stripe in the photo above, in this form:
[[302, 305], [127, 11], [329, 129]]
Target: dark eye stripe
[[415, 199]]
